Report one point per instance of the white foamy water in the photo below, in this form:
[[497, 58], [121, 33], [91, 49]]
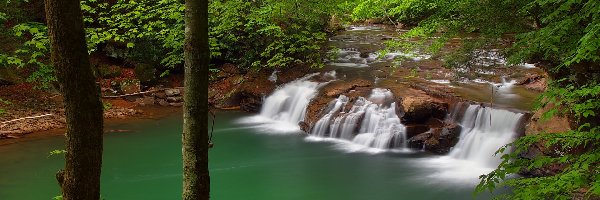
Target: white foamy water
[[484, 131], [286, 107], [368, 125]]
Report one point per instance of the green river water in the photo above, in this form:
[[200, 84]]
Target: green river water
[[245, 164]]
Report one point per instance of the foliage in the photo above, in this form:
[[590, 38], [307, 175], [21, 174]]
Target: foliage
[[33, 52], [562, 34], [404, 11], [57, 152], [106, 106], [248, 33], [5, 102]]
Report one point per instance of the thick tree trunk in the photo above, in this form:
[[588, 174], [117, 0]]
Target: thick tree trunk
[[196, 180], [81, 177]]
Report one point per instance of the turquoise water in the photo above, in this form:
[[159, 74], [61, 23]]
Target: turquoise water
[[246, 163]]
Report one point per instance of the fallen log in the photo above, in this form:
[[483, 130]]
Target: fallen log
[[24, 118], [133, 94]]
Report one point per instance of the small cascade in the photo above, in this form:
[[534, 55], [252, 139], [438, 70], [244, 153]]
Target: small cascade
[[484, 131], [286, 107], [371, 122]]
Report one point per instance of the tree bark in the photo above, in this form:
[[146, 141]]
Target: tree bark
[[81, 177], [196, 179]]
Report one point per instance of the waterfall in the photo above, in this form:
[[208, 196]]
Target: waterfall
[[480, 138], [371, 122], [286, 107], [289, 103]]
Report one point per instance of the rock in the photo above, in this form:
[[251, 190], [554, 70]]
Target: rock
[[172, 92], [415, 129], [176, 104], [364, 54], [304, 126], [437, 140], [160, 95], [534, 126], [175, 99], [534, 82], [162, 102], [419, 109], [337, 88], [251, 104], [146, 100], [130, 86], [119, 113]]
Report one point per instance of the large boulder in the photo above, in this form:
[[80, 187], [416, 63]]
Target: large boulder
[[535, 82], [536, 125], [419, 109], [253, 91], [437, 140]]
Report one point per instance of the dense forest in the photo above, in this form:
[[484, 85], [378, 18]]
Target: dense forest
[[252, 48]]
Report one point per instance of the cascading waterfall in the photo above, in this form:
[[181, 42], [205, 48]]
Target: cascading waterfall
[[282, 110], [484, 131], [371, 122]]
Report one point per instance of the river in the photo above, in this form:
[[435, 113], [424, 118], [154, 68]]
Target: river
[[246, 163]]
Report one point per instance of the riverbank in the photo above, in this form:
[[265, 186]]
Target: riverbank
[[54, 124]]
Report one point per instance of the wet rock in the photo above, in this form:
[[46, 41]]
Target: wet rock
[[364, 54], [304, 126], [172, 92], [251, 104], [174, 99], [119, 113], [338, 88], [415, 129], [419, 109], [179, 104], [162, 102], [253, 92], [160, 95], [146, 100], [534, 82], [436, 140]]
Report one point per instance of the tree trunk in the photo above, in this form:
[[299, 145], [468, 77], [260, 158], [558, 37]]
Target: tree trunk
[[81, 177], [196, 180]]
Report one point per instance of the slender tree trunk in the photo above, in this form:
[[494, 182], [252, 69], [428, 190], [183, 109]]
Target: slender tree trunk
[[196, 180], [80, 179]]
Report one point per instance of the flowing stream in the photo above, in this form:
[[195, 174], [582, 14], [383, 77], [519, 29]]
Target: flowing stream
[[484, 131], [371, 122], [244, 164]]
